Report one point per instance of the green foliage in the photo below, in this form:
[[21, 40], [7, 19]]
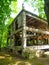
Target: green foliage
[[28, 53], [46, 9], [5, 12], [37, 5], [40, 6]]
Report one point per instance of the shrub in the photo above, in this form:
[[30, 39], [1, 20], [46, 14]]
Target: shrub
[[28, 53]]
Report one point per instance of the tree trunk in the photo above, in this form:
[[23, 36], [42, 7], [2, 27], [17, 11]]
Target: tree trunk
[[46, 9]]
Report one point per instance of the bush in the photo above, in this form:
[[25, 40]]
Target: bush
[[28, 53]]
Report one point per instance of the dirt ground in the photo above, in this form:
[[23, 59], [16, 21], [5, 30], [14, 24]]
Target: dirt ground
[[8, 59]]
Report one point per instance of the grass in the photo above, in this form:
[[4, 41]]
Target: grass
[[8, 59]]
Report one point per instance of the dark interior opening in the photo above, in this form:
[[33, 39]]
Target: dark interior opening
[[17, 41]]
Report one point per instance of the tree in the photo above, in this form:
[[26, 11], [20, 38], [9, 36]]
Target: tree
[[5, 11], [46, 9], [42, 6]]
